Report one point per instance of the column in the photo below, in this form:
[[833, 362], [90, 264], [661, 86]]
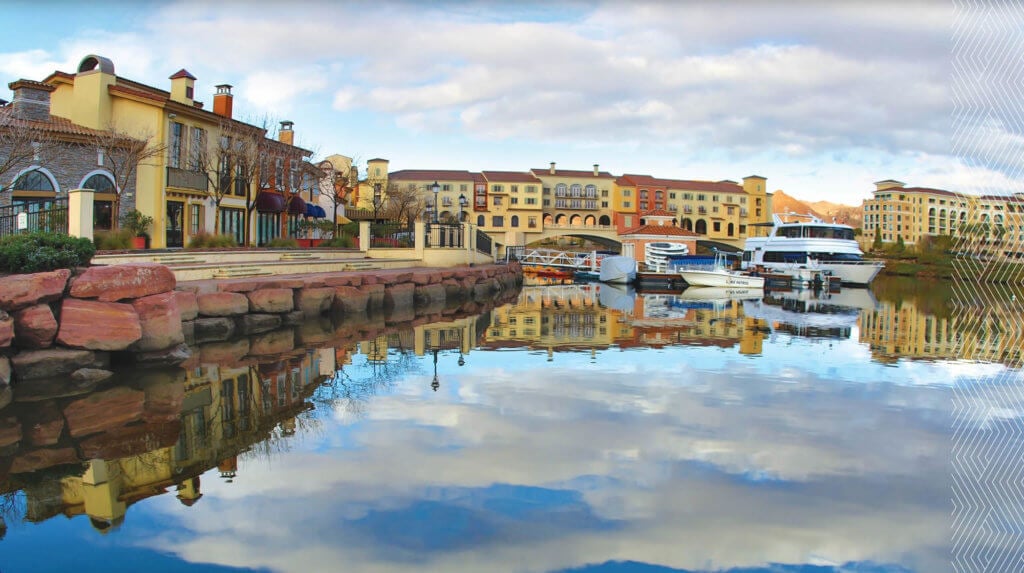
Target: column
[[80, 213]]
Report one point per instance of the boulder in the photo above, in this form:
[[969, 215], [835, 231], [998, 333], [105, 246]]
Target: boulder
[[375, 292], [104, 411], [10, 431], [86, 376], [43, 424], [118, 282], [20, 291], [399, 295], [133, 440], [429, 295], [5, 370], [52, 388], [79, 321], [258, 323], [35, 326], [187, 305], [160, 320], [6, 395], [349, 300], [172, 356], [224, 353], [165, 394], [43, 458], [35, 364], [6, 329], [222, 304], [271, 300], [276, 342], [314, 301], [208, 329], [293, 318]]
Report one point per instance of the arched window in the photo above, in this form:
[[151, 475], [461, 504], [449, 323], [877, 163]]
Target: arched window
[[730, 229], [514, 221], [687, 224], [604, 221], [560, 219], [480, 220], [99, 183], [591, 191], [560, 190], [576, 190], [702, 227], [34, 180]]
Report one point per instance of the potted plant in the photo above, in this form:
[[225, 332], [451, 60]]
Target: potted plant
[[137, 224]]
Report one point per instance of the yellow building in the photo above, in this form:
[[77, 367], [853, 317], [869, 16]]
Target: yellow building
[[454, 191], [897, 211], [576, 198], [514, 204], [174, 187]]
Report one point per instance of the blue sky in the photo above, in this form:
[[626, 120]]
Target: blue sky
[[821, 100]]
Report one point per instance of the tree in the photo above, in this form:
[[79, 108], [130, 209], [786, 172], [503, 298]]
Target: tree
[[23, 143], [122, 155], [876, 245], [226, 162], [404, 204], [338, 184]]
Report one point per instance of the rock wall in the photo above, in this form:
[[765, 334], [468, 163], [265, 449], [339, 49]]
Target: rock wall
[[56, 328]]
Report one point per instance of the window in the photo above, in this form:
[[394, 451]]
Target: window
[[462, 187], [34, 180], [195, 218], [627, 204], [99, 184], [497, 221], [604, 204], [294, 175], [531, 200], [514, 200], [497, 188], [239, 182], [197, 151], [279, 173], [671, 195], [515, 189], [497, 201], [514, 221], [687, 196], [627, 192], [532, 222], [174, 158], [531, 188], [189, 92], [701, 197], [717, 226], [446, 187]]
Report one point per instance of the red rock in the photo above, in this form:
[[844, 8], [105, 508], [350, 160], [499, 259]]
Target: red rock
[[421, 278], [6, 329], [165, 393], [119, 282], [277, 342], [187, 305], [368, 280], [338, 280], [20, 291], [103, 411], [222, 304], [224, 353], [43, 458], [272, 300], [52, 362], [35, 326], [43, 424], [160, 320], [351, 300], [314, 301], [98, 325]]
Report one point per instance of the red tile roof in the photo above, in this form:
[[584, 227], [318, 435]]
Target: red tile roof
[[658, 213], [684, 184], [918, 190], [664, 230], [510, 176], [539, 172], [436, 174], [55, 125], [182, 73]]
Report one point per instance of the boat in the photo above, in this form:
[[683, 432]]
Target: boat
[[812, 309], [721, 293], [807, 240], [617, 269], [717, 274], [548, 271]]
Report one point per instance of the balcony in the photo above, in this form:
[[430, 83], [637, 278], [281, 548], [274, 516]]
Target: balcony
[[185, 179]]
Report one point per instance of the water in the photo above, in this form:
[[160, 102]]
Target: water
[[579, 428]]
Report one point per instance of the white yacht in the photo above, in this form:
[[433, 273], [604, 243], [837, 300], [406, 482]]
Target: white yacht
[[809, 241]]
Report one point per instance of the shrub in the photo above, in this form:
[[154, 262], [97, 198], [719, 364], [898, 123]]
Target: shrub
[[204, 240], [113, 240], [339, 242], [282, 243], [136, 223], [40, 251]]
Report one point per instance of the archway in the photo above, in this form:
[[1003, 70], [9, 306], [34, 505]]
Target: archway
[[560, 219], [604, 221], [687, 224], [730, 230], [702, 227], [590, 221], [548, 218], [514, 221], [574, 221]]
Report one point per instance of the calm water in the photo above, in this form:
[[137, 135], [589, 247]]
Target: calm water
[[578, 428]]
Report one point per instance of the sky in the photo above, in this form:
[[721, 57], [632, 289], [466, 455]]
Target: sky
[[822, 100]]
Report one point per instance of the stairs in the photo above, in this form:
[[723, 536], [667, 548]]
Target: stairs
[[241, 271]]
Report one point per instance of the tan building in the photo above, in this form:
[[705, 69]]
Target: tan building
[[910, 213]]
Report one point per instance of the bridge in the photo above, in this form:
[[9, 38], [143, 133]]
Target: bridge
[[608, 236]]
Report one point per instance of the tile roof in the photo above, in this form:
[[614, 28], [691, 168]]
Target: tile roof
[[436, 174], [684, 184], [55, 125], [539, 172], [510, 176], [663, 230], [182, 73], [658, 213], [919, 190]]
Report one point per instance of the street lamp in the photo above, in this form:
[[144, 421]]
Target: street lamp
[[462, 207], [436, 189], [376, 200], [435, 384]]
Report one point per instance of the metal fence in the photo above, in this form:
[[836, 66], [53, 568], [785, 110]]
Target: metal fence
[[51, 216], [514, 253], [483, 243], [391, 236], [444, 236]]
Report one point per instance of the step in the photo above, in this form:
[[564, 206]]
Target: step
[[241, 271], [178, 259], [300, 257]]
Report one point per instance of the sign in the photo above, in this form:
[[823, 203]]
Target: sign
[[22, 221]]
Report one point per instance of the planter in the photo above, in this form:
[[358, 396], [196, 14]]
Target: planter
[[307, 243], [139, 242]]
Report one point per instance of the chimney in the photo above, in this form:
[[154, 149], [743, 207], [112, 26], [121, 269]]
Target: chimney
[[31, 100], [552, 171], [596, 170], [223, 100], [286, 135], [183, 85]]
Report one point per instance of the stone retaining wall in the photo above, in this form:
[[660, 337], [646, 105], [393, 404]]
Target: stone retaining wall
[[55, 325]]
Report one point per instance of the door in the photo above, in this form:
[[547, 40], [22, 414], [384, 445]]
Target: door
[[175, 220]]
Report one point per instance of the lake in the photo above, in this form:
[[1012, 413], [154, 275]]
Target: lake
[[579, 427]]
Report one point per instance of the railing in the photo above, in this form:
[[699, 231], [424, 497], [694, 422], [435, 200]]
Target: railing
[[444, 236], [514, 253], [483, 243], [185, 179], [52, 219], [390, 236]]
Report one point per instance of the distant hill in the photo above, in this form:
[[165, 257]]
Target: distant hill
[[782, 203]]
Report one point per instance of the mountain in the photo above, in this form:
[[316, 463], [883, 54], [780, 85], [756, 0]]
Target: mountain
[[824, 210]]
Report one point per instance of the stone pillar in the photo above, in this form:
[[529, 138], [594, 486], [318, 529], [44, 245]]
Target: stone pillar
[[80, 213], [467, 240], [364, 236], [419, 237]]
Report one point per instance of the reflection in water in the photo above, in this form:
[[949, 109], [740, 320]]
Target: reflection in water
[[578, 425]]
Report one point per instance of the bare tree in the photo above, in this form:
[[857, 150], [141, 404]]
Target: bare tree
[[404, 203], [122, 155], [23, 143], [338, 184], [227, 162]]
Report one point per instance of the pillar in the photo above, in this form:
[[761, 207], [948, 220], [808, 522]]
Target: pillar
[[419, 237], [80, 213], [364, 236]]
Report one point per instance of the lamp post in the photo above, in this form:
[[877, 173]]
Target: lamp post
[[435, 383], [436, 189], [462, 207], [376, 200]]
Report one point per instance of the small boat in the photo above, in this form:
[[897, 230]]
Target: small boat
[[716, 275], [546, 271], [617, 269], [721, 293]]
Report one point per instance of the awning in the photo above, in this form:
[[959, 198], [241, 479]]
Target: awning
[[320, 213], [296, 206], [310, 210], [267, 202], [342, 220]]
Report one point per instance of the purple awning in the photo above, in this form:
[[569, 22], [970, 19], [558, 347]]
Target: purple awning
[[296, 206], [268, 202]]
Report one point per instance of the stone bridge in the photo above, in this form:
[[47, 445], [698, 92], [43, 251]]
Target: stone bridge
[[608, 236]]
